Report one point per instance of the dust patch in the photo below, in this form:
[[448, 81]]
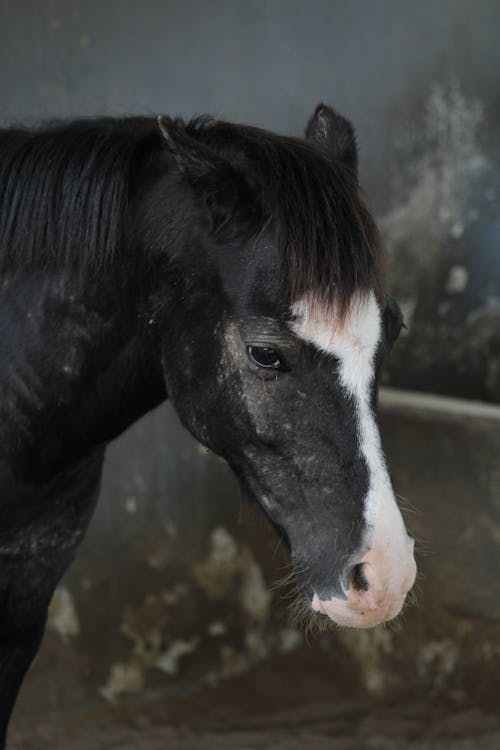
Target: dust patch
[[446, 177], [290, 639], [231, 570], [63, 617], [175, 595], [369, 648], [437, 661], [217, 629], [147, 627], [231, 573], [123, 678], [169, 660], [458, 278]]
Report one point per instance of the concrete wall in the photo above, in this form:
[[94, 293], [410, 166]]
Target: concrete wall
[[266, 62]]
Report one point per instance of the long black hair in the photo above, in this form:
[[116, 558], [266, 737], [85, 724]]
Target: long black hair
[[64, 191]]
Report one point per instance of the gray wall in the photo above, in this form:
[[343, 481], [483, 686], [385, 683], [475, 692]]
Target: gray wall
[[266, 62]]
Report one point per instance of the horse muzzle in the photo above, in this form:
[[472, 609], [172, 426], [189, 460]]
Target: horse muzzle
[[377, 589]]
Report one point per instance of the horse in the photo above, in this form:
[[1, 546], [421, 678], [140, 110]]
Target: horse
[[238, 273]]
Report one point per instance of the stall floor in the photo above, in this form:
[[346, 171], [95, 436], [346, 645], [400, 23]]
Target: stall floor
[[288, 703]]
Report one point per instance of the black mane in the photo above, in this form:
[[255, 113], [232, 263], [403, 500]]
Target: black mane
[[65, 191]]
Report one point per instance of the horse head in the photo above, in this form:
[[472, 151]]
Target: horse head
[[274, 343]]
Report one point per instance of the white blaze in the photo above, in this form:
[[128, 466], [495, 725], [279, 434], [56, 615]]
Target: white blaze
[[354, 343]]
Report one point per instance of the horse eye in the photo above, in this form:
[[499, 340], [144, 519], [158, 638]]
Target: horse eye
[[265, 356]]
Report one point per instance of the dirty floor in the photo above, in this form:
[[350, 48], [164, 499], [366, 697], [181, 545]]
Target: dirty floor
[[288, 703]]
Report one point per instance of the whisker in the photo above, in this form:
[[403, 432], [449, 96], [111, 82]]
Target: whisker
[[406, 504], [280, 539]]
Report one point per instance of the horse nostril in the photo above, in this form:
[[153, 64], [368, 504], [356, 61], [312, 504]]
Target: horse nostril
[[358, 578]]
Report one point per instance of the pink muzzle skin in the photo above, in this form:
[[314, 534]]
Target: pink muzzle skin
[[388, 582]]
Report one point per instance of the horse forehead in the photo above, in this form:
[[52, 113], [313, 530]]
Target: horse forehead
[[353, 338]]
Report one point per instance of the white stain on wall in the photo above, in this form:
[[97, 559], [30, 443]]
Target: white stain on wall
[[63, 617]]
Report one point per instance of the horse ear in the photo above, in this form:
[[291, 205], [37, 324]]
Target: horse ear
[[334, 134], [221, 188]]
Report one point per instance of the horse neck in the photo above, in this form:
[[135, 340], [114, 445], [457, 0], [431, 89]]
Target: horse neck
[[81, 363]]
